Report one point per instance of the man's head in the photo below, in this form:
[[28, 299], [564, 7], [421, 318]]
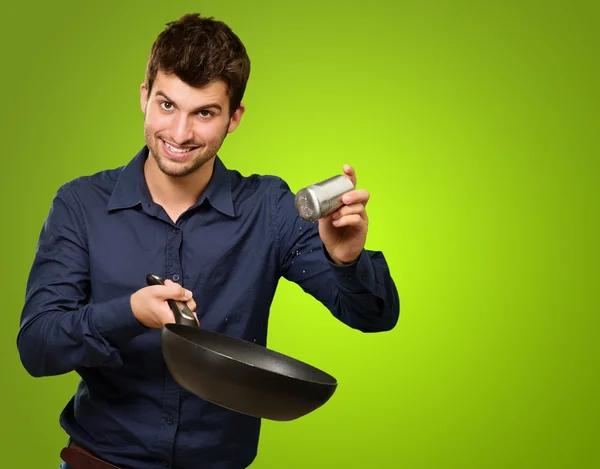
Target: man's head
[[195, 81]]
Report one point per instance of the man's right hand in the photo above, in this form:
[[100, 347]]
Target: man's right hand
[[150, 307]]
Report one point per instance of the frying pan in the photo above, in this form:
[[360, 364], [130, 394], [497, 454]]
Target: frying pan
[[239, 375]]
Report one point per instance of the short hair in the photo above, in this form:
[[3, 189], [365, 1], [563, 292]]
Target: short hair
[[199, 51]]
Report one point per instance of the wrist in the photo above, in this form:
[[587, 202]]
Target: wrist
[[134, 304], [341, 262], [338, 261]]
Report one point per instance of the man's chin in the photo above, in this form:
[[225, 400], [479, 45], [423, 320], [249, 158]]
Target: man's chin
[[176, 170], [179, 168]]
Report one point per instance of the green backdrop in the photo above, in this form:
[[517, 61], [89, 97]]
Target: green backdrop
[[474, 125]]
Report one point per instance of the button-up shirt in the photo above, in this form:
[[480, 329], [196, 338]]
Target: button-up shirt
[[101, 237]]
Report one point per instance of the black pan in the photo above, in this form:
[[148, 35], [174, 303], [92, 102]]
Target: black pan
[[241, 376]]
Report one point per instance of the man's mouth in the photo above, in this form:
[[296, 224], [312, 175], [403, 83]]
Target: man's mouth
[[177, 149]]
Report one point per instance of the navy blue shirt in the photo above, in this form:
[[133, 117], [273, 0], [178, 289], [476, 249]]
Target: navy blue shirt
[[103, 234]]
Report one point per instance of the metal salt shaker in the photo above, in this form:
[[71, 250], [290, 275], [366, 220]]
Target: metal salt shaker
[[321, 199]]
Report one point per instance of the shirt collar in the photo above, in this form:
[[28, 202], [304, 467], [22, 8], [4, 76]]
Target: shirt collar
[[131, 188], [218, 190]]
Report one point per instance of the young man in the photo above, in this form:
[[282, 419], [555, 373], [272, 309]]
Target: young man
[[222, 240]]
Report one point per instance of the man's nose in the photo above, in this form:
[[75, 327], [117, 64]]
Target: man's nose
[[182, 131]]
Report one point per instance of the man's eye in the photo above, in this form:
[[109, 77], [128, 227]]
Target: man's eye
[[205, 113], [166, 105]]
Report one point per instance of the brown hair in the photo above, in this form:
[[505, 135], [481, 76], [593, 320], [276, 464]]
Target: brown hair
[[200, 51]]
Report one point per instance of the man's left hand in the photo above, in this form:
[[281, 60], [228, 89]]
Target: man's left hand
[[344, 232]]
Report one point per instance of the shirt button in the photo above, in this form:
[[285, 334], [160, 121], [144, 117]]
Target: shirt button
[[175, 277], [175, 230], [347, 278], [170, 420]]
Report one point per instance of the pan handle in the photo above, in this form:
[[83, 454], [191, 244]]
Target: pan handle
[[181, 312]]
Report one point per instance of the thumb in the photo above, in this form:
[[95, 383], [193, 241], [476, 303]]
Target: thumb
[[174, 291]]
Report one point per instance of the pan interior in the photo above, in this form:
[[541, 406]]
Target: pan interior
[[252, 354]]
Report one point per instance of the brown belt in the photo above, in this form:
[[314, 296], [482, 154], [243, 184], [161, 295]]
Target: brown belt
[[79, 458]]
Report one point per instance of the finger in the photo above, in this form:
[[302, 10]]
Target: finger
[[350, 210], [360, 196], [169, 318], [191, 304], [196, 316], [186, 295], [174, 291], [349, 220], [165, 315], [349, 171]]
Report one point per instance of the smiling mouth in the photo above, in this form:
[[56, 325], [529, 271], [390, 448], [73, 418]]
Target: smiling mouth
[[177, 150]]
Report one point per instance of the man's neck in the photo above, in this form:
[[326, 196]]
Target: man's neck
[[176, 194]]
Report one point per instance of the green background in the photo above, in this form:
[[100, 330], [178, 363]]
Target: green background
[[474, 125]]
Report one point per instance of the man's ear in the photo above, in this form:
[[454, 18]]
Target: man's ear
[[143, 97], [236, 117]]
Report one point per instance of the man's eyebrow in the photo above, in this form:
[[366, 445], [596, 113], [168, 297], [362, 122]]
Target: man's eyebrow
[[216, 106], [164, 96]]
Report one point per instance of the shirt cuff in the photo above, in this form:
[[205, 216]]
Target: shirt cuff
[[114, 320], [357, 277]]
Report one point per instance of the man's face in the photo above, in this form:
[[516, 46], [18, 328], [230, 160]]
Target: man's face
[[184, 126]]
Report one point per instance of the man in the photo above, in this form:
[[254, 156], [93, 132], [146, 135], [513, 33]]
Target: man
[[222, 240]]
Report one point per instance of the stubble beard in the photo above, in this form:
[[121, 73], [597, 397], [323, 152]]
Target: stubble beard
[[205, 154]]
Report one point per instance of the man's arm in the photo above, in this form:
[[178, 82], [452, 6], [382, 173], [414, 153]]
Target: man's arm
[[60, 330], [361, 294]]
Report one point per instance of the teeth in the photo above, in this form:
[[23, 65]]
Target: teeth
[[177, 150]]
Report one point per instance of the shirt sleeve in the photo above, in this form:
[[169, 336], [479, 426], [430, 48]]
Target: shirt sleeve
[[362, 295], [60, 329]]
